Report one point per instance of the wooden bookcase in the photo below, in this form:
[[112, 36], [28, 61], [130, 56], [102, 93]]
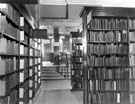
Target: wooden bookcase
[[77, 65], [20, 61], [109, 55]]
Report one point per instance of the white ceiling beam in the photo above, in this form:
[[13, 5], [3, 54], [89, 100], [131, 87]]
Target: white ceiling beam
[[112, 3]]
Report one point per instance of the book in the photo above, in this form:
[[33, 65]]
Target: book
[[30, 93], [30, 83], [21, 78], [22, 35], [3, 45], [21, 63], [21, 49], [3, 66], [30, 72], [2, 87], [21, 21]]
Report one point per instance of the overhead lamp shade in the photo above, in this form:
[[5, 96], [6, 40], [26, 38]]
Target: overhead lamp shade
[[19, 1], [40, 33]]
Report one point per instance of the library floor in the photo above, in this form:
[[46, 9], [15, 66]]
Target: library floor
[[58, 92]]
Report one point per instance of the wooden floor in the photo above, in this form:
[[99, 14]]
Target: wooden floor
[[58, 92]]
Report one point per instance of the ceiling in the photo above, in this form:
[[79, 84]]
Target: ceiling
[[64, 14]]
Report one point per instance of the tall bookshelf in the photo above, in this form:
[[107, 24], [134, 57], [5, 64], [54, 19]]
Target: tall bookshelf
[[77, 65], [17, 82], [109, 55]]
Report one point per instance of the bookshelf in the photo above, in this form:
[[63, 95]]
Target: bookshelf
[[20, 58], [108, 35], [77, 65], [65, 65]]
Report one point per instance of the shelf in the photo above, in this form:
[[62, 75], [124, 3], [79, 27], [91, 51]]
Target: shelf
[[8, 36], [77, 43], [106, 42], [104, 91], [106, 29], [10, 90], [8, 55], [108, 79], [109, 66], [24, 55], [34, 48], [12, 22], [35, 56], [77, 69], [23, 43], [109, 54], [76, 89]]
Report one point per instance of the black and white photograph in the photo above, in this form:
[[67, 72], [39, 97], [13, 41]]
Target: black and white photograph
[[67, 51]]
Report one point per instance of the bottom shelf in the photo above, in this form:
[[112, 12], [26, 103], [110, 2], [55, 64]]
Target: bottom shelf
[[76, 89]]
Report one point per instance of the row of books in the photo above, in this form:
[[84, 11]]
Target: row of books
[[77, 40], [23, 50], [27, 28], [132, 85], [113, 73], [26, 73], [110, 36], [132, 48], [37, 53], [108, 23], [23, 89], [26, 98], [24, 38], [8, 65], [78, 53], [36, 69], [24, 63], [109, 85], [110, 61], [11, 12], [131, 23], [77, 47], [10, 82], [32, 42], [77, 73], [8, 28], [110, 48], [31, 62], [10, 99], [132, 60], [77, 59], [34, 52], [34, 61], [77, 85], [109, 98], [77, 66], [9, 47], [131, 35]]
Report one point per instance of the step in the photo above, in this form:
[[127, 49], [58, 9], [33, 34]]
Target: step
[[55, 78], [51, 75], [49, 67], [49, 70]]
